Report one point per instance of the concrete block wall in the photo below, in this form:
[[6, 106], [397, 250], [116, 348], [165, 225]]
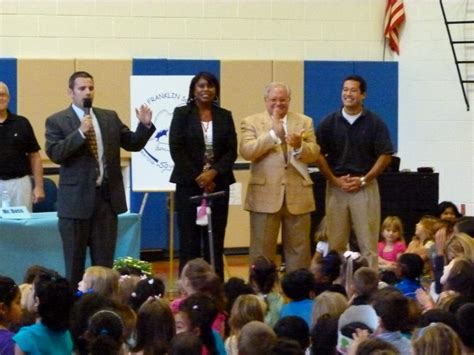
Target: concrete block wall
[[434, 127]]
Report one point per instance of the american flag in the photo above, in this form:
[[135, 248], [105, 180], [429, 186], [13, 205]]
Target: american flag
[[394, 17]]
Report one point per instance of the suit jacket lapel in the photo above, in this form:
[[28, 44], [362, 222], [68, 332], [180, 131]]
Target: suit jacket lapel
[[72, 120]]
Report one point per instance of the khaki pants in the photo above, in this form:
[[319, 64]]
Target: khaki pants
[[20, 191], [360, 211], [264, 228]]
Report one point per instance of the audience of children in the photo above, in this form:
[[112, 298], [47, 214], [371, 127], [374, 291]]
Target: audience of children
[[105, 321], [392, 243]]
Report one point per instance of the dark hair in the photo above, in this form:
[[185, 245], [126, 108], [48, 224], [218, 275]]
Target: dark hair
[[392, 308], [331, 265], [130, 270], [105, 333], [155, 327], [286, 346], [201, 312], [324, 336], [465, 225], [372, 346], [78, 74], [298, 284], [55, 301], [34, 271], [8, 290], [263, 274], [186, 343], [82, 310], [149, 287], [411, 265], [360, 80], [444, 206], [293, 327], [464, 317], [233, 288], [437, 315], [210, 78]]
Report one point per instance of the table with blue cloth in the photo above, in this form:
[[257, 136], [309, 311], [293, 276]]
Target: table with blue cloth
[[36, 241]]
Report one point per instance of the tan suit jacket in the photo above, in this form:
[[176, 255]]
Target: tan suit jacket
[[272, 178]]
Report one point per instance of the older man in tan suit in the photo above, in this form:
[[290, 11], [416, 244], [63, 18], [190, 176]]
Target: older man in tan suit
[[279, 144]]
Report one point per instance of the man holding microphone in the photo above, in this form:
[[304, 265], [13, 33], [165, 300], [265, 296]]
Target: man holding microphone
[[279, 145], [86, 143]]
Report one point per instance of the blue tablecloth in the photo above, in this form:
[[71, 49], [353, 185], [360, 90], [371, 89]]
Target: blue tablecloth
[[33, 241]]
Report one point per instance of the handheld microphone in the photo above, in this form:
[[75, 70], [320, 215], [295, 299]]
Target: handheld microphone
[[87, 104], [207, 196]]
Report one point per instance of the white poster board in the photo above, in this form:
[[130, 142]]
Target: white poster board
[[152, 166]]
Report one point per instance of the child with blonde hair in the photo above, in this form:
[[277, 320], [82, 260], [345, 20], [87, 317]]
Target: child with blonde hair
[[391, 244], [329, 305], [436, 339], [246, 308], [101, 280], [423, 241], [321, 239]]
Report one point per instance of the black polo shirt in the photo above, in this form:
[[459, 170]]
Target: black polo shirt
[[17, 139], [353, 149]]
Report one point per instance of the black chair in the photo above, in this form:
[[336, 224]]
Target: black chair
[[51, 197]]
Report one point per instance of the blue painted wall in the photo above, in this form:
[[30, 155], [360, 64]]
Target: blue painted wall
[[8, 74], [323, 85]]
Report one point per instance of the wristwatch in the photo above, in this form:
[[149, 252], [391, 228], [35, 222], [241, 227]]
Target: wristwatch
[[362, 181]]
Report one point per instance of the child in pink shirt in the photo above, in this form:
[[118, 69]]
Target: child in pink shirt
[[392, 244]]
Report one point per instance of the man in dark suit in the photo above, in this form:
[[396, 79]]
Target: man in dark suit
[[86, 142]]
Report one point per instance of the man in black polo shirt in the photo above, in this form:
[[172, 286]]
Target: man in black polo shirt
[[19, 156], [356, 148]]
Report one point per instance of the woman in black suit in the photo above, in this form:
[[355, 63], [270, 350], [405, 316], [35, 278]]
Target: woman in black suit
[[203, 145]]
